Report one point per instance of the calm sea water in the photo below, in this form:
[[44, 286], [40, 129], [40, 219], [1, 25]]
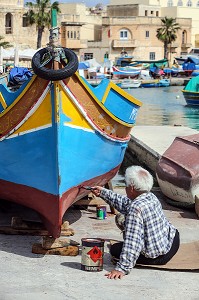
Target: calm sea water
[[165, 106]]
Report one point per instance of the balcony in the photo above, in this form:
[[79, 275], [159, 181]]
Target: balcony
[[173, 45], [74, 44], [186, 45], [8, 30], [124, 43]]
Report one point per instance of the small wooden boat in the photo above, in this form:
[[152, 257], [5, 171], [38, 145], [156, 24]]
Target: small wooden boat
[[130, 83], [191, 92], [155, 83], [121, 73], [178, 169], [58, 133]]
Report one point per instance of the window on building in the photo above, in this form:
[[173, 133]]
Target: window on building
[[8, 23], [157, 13], [123, 34], [75, 35], [78, 35], [151, 55], [88, 56], [25, 22], [151, 12], [197, 4], [147, 34], [189, 3], [146, 13], [71, 34], [184, 37], [68, 34], [180, 3], [170, 3]]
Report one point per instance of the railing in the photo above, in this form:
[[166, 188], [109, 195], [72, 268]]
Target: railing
[[124, 43], [186, 45], [9, 30]]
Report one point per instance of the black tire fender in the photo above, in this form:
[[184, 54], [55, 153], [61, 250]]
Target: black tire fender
[[51, 74]]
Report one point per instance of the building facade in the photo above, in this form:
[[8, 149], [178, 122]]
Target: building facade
[[171, 8], [92, 32], [133, 28]]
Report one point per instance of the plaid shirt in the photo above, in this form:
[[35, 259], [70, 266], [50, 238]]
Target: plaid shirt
[[147, 231]]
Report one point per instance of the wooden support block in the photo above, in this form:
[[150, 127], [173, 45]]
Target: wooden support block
[[52, 243], [65, 251], [65, 225], [67, 232]]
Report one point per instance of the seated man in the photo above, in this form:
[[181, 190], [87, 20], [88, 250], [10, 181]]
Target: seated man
[[149, 238]]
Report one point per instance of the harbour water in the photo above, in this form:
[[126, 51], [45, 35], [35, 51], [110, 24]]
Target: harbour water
[[162, 106], [165, 106]]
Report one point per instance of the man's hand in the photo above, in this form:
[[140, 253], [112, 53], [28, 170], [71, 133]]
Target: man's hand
[[96, 190], [115, 274]]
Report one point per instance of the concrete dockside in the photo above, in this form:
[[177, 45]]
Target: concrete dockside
[[148, 143]]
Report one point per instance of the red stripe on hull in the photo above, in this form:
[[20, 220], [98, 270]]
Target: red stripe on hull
[[50, 207]]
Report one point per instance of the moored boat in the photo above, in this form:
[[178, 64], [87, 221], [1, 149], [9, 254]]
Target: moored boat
[[129, 83], [178, 169], [58, 133], [191, 92], [155, 83], [122, 73]]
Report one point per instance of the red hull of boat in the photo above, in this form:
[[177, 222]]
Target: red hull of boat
[[50, 207]]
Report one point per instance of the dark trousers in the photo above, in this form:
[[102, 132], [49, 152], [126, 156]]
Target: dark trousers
[[116, 250]]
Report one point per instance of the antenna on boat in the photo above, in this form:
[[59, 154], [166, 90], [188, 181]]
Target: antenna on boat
[[54, 45], [54, 62]]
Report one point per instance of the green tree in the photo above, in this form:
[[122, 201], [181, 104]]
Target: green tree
[[4, 44], [39, 13], [167, 33]]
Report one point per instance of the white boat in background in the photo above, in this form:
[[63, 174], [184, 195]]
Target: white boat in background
[[130, 83]]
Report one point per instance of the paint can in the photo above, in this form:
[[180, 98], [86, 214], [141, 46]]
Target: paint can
[[101, 212], [92, 254]]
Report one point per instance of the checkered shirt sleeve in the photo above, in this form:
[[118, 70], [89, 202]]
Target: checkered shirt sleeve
[[147, 230]]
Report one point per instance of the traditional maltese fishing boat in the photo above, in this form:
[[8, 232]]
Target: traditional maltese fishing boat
[[58, 133]]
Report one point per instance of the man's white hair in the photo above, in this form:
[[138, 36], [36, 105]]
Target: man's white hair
[[139, 178]]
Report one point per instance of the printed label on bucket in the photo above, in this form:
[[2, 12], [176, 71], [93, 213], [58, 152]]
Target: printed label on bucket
[[92, 258]]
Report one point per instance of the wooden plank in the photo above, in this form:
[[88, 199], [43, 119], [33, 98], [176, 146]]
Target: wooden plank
[[19, 223], [65, 251], [36, 232], [90, 202], [52, 243]]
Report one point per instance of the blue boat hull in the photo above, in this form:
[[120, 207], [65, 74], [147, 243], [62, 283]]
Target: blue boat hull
[[191, 98], [56, 137]]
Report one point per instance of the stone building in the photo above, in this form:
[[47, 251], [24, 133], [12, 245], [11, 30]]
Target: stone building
[[171, 8], [133, 28], [94, 33], [13, 25]]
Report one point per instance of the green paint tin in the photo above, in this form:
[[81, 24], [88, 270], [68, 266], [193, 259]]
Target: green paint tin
[[101, 212]]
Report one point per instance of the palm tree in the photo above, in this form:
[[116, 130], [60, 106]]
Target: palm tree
[[4, 44], [167, 33], [39, 13]]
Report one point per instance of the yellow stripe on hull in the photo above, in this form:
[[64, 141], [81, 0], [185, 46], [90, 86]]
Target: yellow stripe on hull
[[70, 111], [41, 117]]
